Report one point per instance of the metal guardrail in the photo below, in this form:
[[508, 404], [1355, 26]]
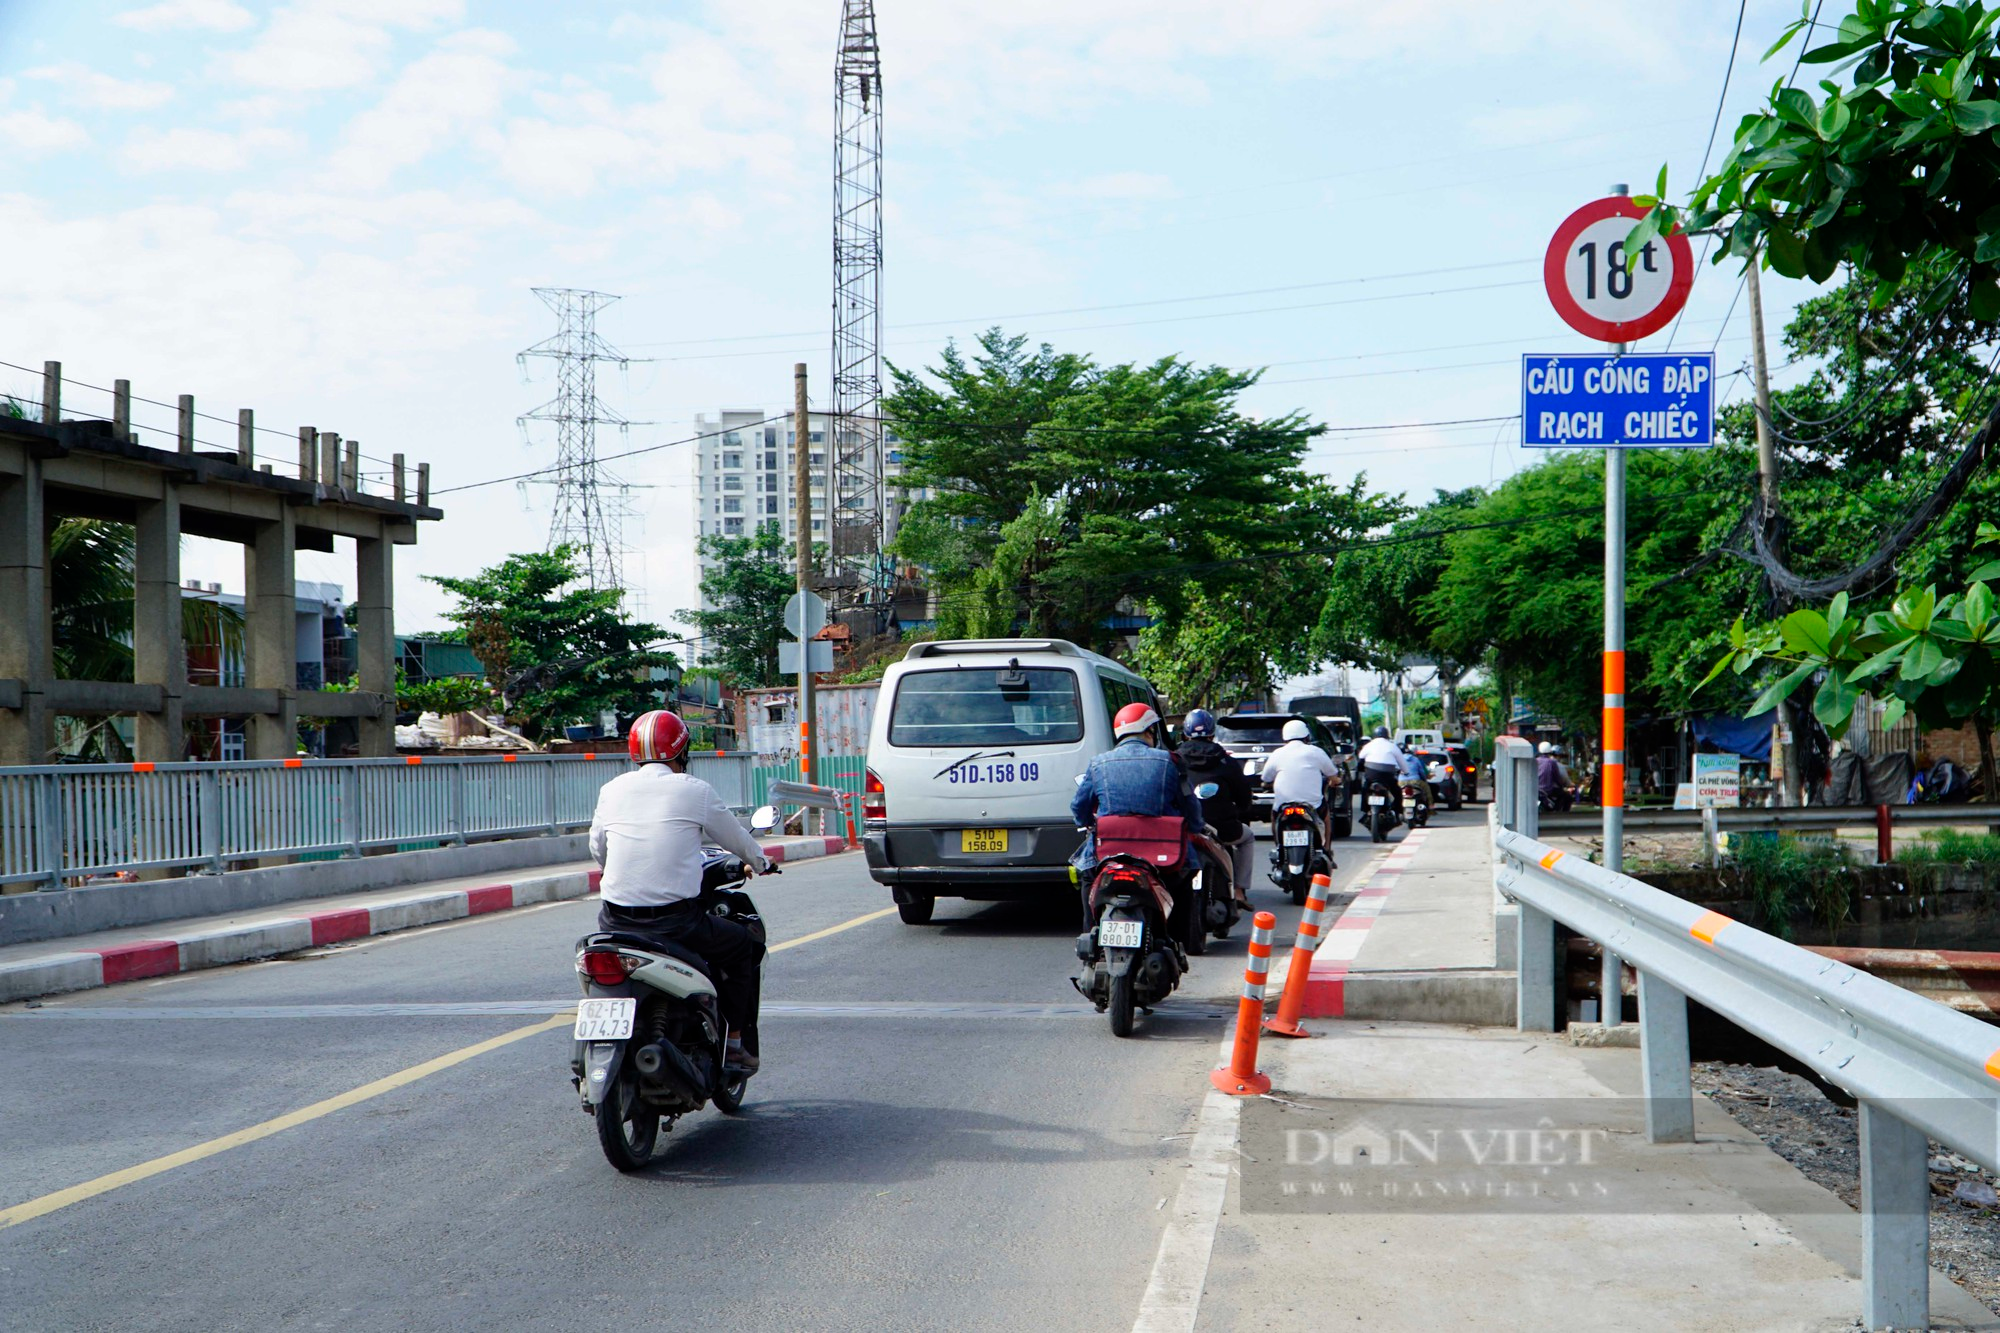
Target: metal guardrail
[[806, 796], [1802, 817], [1917, 1069], [66, 824]]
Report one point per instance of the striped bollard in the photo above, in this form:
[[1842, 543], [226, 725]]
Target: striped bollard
[[1241, 1077], [1293, 998]]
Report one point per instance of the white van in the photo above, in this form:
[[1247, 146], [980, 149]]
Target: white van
[[973, 757]]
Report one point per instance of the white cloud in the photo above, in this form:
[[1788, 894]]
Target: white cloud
[[34, 133], [200, 150], [323, 44], [212, 15], [439, 98], [94, 88]]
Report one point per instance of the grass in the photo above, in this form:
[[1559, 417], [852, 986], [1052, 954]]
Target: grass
[[1950, 846], [1791, 880]]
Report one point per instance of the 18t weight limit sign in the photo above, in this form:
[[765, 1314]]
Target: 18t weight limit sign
[[1602, 292]]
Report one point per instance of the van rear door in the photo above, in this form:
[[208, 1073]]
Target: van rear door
[[985, 744]]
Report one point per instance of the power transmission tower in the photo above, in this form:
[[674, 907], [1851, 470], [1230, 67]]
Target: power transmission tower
[[583, 515], [858, 519]]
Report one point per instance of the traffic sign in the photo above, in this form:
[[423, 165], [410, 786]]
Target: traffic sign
[[1591, 286], [1600, 400], [819, 656], [805, 613]]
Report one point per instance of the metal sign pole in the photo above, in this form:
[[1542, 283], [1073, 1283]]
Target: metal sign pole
[[1611, 771]]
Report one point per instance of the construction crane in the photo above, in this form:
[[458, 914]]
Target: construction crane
[[860, 520]]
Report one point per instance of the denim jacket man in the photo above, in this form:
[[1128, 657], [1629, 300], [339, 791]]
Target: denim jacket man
[[1132, 778]]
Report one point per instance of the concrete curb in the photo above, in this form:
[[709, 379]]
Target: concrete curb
[[87, 969]]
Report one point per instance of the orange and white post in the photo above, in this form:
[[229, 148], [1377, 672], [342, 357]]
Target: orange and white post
[[1292, 999], [1241, 1077]]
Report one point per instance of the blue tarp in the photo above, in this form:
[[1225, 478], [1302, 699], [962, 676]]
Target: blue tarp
[[1747, 736]]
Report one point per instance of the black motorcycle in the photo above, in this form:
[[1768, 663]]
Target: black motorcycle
[[1379, 808], [1416, 803], [1298, 853], [1131, 959], [650, 1037]]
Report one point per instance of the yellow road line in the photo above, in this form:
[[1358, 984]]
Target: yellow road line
[[90, 1189], [131, 1175], [861, 920]]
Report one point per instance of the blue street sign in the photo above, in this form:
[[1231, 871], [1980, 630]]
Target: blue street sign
[[1641, 400]]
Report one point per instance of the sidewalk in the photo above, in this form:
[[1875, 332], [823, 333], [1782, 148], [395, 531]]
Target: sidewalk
[[1421, 1175], [106, 958]]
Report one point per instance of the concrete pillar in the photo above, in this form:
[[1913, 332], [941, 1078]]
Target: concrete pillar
[[270, 638], [375, 635], [27, 734], [1663, 1041], [1895, 1221], [159, 657]]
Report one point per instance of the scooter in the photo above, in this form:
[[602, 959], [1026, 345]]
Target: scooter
[[1298, 855], [650, 1040], [1416, 803], [1215, 903], [1379, 809], [1131, 959]]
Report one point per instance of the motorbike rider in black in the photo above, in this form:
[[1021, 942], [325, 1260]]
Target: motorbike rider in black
[[1228, 812]]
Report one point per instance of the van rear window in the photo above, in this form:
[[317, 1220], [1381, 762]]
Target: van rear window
[[984, 706]]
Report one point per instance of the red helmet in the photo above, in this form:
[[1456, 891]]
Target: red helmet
[[1134, 720], [657, 737]]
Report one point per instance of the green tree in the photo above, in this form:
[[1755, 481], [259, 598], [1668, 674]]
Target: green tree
[[746, 586], [558, 653], [1056, 491], [1378, 610], [1893, 168]]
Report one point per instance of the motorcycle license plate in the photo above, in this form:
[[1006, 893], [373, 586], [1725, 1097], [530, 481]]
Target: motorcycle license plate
[[1121, 934], [1298, 837], [982, 840], [1378, 800], [605, 1020]]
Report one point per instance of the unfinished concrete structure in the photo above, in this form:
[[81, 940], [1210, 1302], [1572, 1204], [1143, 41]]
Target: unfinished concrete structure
[[53, 469]]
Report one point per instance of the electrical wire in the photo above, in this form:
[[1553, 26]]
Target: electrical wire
[[606, 458], [1714, 125]]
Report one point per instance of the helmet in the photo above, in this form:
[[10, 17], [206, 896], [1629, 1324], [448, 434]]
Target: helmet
[[1296, 730], [1134, 720], [657, 737], [1381, 733], [1200, 722], [1546, 747]]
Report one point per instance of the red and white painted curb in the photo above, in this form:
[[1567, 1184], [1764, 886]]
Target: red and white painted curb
[[86, 969], [1326, 983]]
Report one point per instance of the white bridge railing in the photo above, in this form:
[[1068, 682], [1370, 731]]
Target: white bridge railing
[[63, 825], [1916, 1068]]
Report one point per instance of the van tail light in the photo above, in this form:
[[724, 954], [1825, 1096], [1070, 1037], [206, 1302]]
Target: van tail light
[[607, 967], [874, 798]]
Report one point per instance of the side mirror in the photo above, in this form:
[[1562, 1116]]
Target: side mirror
[[1208, 791], [765, 819]]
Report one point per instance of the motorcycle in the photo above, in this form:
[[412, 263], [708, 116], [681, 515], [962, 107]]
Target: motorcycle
[[1298, 855], [1379, 809], [650, 1040], [1131, 959], [1416, 803], [1217, 911]]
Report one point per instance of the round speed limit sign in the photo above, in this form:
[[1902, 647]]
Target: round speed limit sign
[[1603, 293]]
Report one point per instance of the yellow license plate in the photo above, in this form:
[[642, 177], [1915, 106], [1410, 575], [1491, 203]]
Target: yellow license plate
[[982, 840]]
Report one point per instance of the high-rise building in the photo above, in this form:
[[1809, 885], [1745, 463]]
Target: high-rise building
[[744, 470]]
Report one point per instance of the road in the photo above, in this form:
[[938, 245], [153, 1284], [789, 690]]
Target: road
[[943, 1135]]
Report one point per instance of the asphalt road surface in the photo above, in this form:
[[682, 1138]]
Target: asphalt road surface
[[944, 1134]]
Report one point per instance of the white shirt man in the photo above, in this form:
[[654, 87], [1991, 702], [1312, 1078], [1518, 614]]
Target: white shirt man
[[648, 834], [1381, 753], [1297, 772]]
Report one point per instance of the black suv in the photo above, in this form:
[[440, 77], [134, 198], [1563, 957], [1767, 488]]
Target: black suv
[[1250, 737]]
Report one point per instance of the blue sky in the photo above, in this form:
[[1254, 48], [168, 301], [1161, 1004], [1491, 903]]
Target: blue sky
[[333, 211]]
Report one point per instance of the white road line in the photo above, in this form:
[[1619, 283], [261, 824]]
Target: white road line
[[1180, 1270]]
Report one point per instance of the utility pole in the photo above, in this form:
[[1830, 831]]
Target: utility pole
[[1767, 515], [802, 507]]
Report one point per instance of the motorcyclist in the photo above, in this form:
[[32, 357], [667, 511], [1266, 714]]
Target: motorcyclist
[[648, 833], [1412, 771], [1228, 812], [1297, 772], [1382, 759], [1552, 780], [1135, 777]]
